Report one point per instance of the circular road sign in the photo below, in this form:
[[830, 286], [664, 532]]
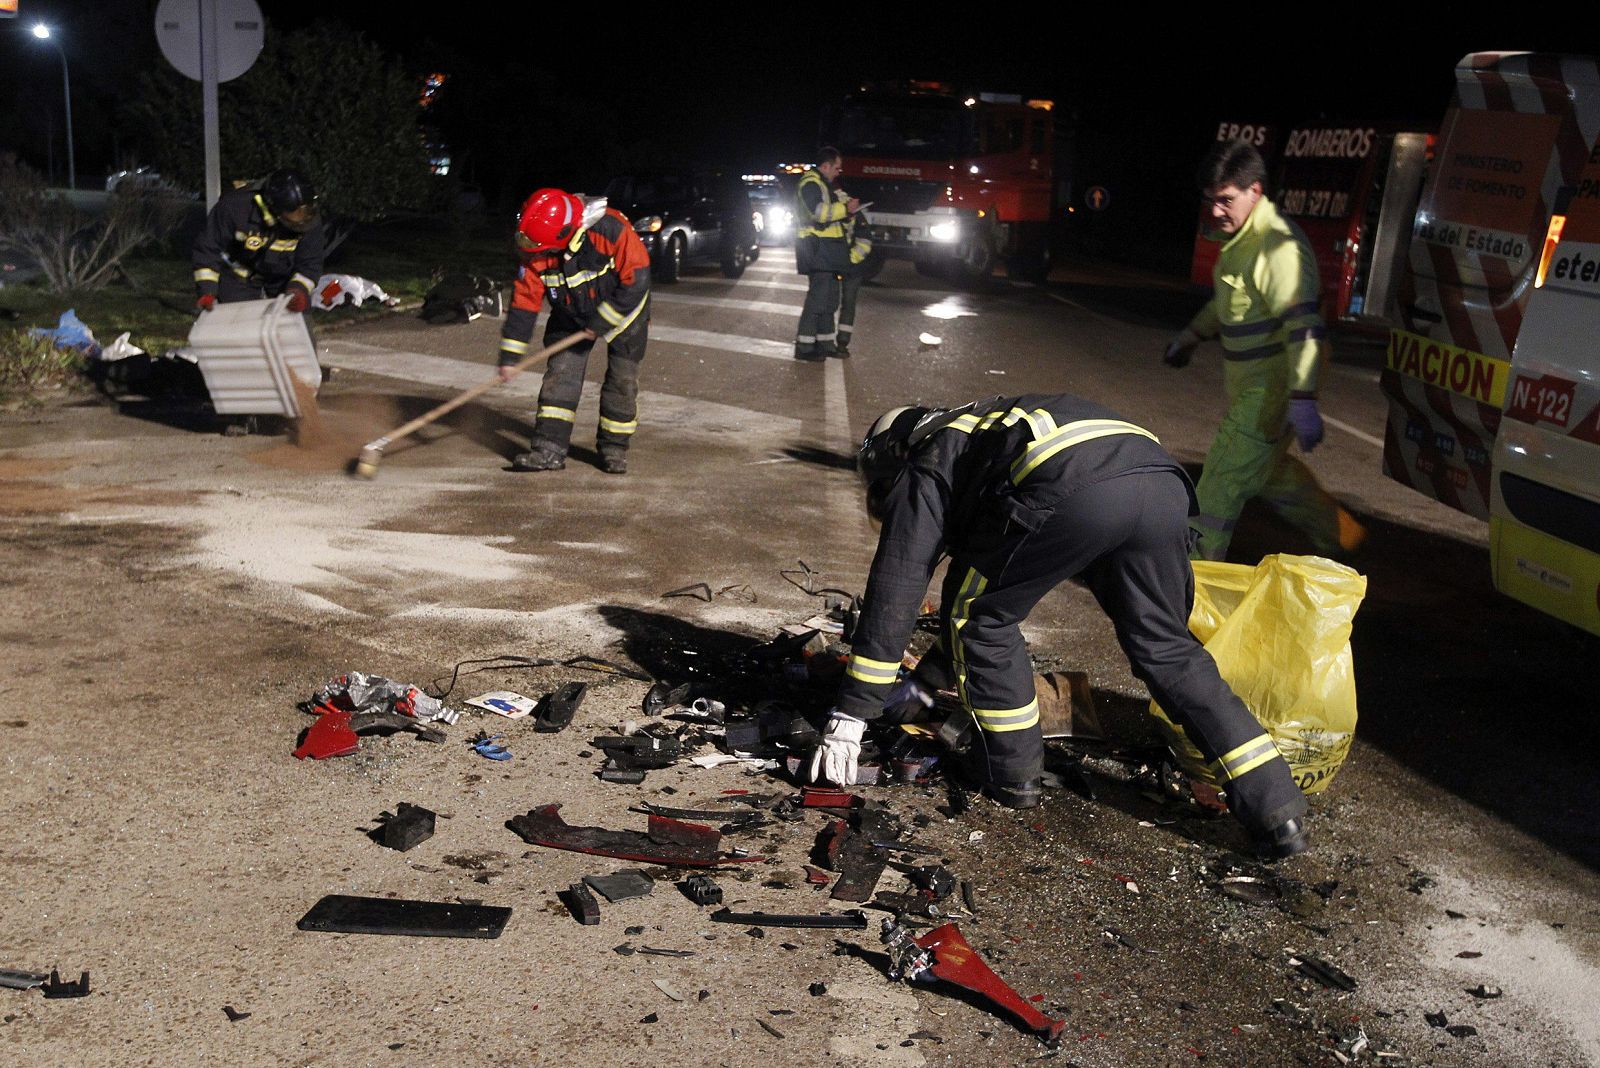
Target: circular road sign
[[238, 28], [1098, 198]]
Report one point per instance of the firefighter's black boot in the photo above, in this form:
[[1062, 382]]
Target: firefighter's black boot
[[541, 458], [614, 461], [1287, 839]]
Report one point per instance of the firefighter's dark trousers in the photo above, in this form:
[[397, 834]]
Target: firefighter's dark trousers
[[850, 284], [231, 290], [1127, 540], [563, 387], [816, 331]]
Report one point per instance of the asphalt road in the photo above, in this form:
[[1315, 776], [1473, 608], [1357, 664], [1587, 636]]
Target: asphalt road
[[172, 593]]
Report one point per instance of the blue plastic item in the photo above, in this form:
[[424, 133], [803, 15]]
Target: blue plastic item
[[70, 333]]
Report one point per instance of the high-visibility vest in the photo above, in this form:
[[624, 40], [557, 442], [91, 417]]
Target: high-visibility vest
[[823, 215]]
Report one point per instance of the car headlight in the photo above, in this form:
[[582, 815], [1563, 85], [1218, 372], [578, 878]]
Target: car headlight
[[778, 219], [944, 231], [650, 224]]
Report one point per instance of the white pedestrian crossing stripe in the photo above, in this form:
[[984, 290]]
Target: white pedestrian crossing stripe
[[732, 303]]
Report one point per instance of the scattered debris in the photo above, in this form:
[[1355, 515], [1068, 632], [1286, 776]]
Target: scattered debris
[[652, 951], [698, 590], [816, 990], [1252, 890], [701, 889], [1485, 993], [483, 743], [1323, 972], [14, 979], [1461, 1030], [621, 886], [769, 1029], [358, 692], [582, 904], [57, 987], [667, 989], [410, 826], [944, 954], [504, 703], [930, 339], [1436, 1019], [851, 920], [345, 914], [544, 826], [1469, 954], [234, 1015]]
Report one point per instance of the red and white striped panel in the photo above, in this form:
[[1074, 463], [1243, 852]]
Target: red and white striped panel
[[1439, 443], [1483, 296]]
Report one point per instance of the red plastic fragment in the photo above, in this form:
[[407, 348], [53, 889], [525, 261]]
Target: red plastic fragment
[[819, 797], [816, 876], [329, 736], [955, 961], [677, 832]]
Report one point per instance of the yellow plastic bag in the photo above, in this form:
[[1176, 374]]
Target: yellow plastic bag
[[1280, 634]]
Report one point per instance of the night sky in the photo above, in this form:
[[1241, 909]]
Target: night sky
[[739, 86]]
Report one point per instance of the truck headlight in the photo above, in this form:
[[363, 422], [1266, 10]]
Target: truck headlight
[[944, 231], [778, 220]]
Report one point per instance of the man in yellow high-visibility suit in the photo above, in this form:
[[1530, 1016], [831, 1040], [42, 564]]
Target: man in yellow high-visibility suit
[[1264, 308], [822, 254]]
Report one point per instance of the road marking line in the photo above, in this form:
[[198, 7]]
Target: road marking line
[[1074, 304], [732, 303], [793, 287], [836, 419], [1353, 432]]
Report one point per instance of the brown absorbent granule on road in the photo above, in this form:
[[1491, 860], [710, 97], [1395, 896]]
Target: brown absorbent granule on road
[[329, 436]]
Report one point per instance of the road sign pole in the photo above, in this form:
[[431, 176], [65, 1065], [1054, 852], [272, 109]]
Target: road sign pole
[[208, 96]]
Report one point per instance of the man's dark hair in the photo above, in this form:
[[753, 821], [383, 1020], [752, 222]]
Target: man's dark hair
[[828, 154], [1235, 163]]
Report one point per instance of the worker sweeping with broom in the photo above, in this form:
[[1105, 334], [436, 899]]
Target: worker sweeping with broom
[[595, 271]]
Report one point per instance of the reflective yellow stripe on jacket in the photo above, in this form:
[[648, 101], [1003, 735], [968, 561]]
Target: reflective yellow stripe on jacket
[[827, 218]]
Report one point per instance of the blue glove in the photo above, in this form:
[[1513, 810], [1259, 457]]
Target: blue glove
[[1306, 421], [906, 701]]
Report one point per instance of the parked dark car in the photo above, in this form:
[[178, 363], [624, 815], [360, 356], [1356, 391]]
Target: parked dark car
[[687, 217]]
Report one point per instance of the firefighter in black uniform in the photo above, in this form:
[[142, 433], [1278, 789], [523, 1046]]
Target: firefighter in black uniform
[[1023, 494], [596, 275], [261, 240]]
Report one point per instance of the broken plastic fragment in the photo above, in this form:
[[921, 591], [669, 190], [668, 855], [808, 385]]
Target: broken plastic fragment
[[929, 339], [944, 954]]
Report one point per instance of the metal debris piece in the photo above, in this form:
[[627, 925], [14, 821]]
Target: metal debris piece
[[620, 886], [582, 904], [544, 826], [1251, 889], [699, 590], [769, 1029], [653, 951], [346, 914], [20, 980], [1436, 1019], [1486, 993], [1461, 1030], [731, 821], [1323, 972], [234, 1015], [944, 954], [621, 776], [851, 920], [624, 950], [57, 987], [968, 897], [555, 710], [410, 826], [664, 695], [701, 889], [1469, 954], [641, 750]]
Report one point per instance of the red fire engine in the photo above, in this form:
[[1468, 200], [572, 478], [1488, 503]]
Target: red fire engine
[[951, 180]]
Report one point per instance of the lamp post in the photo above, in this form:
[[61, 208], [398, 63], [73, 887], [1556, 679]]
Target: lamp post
[[42, 32]]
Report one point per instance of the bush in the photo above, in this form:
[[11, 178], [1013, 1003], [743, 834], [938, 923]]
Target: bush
[[30, 364], [74, 250]]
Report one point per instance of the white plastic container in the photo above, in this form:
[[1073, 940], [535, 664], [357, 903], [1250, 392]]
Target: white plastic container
[[247, 352]]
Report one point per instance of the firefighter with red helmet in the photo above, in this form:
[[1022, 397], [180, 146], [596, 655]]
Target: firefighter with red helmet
[[589, 264], [263, 239]]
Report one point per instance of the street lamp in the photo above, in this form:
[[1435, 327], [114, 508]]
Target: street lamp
[[41, 31]]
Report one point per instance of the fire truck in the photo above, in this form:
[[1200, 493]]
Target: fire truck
[[1493, 375], [955, 181], [1352, 187]]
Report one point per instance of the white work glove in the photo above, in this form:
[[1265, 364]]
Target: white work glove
[[906, 700], [1181, 348], [835, 757]]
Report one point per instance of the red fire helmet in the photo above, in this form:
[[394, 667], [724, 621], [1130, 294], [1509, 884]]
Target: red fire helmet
[[549, 219]]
